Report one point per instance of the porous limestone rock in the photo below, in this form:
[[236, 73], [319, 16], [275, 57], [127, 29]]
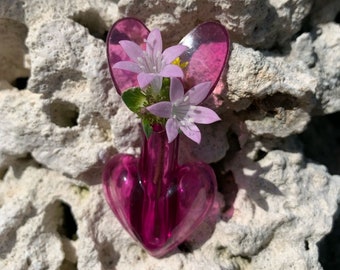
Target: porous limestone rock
[[328, 42], [61, 118], [272, 96], [250, 22], [283, 208]]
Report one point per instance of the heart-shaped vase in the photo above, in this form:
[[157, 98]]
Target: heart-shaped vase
[[159, 202]]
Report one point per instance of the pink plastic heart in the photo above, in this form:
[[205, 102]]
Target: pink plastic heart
[[207, 54], [158, 202], [124, 29]]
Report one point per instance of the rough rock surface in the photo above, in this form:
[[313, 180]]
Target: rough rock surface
[[60, 118]]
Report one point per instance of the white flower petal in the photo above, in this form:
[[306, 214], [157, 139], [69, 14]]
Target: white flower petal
[[131, 49], [192, 132], [161, 109], [144, 79], [127, 65], [154, 43], [171, 128], [172, 71], [203, 115], [171, 53], [156, 84], [199, 92], [176, 90]]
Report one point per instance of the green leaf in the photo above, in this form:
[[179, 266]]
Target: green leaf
[[164, 92], [134, 99], [147, 127]]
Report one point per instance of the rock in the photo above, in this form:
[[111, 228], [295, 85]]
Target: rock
[[250, 23], [277, 190], [39, 132], [13, 51], [324, 11], [274, 97], [282, 202], [61, 118], [328, 91]]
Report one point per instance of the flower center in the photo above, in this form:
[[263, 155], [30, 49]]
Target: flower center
[[182, 114], [151, 63]]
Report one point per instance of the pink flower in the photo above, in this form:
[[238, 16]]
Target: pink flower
[[151, 64], [182, 110]]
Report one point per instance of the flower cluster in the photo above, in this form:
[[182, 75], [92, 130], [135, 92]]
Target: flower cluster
[[160, 97]]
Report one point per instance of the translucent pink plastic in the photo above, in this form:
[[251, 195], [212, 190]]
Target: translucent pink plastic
[[124, 29], [157, 201], [208, 52]]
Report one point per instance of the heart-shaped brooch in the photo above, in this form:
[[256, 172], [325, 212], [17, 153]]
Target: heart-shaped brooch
[[158, 201]]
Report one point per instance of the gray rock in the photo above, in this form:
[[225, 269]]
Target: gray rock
[[61, 118]]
